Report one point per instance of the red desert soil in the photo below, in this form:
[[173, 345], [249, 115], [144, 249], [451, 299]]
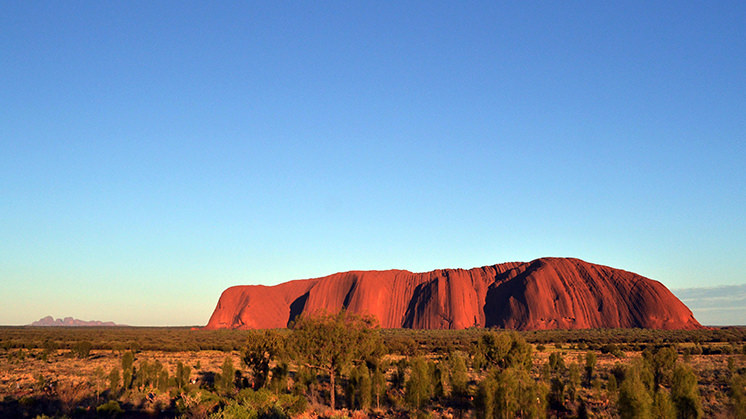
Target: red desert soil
[[547, 293]]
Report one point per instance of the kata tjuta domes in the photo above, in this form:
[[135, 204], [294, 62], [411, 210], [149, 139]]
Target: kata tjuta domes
[[547, 293]]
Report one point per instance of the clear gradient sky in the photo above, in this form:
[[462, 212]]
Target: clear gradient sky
[[153, 154]]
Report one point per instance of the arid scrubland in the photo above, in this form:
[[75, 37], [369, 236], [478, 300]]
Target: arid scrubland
[[178, 372]]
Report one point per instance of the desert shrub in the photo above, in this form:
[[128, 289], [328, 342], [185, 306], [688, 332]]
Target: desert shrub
[[114, 380], [556, 363], [359, 388], [738, 396], [685, 392], [506, 349], [573, 382], [590, 364], [303, 381], [510, 393], [485, 398], [459, 377], [634, 397], [224, 382], [261, 349], [146, 375], [663, 407], [128, 369], [378, 382], [441, 378], [162, 379], [82, 349], [110, 408], [181, 379], [402, 345], [331, 343], [661, 362], [263, 404], [400, 373], [98, 381], [613, 349], [49, 347], [557, 393], [419, 387], [618, 371], [611, 384]]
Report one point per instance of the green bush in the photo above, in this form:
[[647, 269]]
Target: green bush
[[634, 397], [110, 408], [738, 396], [82, 349], [590, 364], [459, 376], [504, 350], [663, 407], [685, 393], [128, 369], [510, 393], [419, 388], [224, 382]]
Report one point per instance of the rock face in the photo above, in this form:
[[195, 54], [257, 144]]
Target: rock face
[[547, 293], [69, 321]]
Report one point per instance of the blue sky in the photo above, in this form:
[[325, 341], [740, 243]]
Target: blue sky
[[153, 154]]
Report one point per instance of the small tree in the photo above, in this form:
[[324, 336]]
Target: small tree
[[590, 364], [114, 380], [99, 380], [261, 349], [128, 369], [304, 381], [485, 399], [182, 376], [507, 349], [366, 387], [279, 380], [738, 395], [573, 380], [685, 392], [379, 384], [661, 362], [82, 349], [459, 377], [332, 342], [510, 393], [142, 378], [611, 385], [419, 388], [441, 379], [634, 397], [662, 407], [557, 393], [360, 388], [556, 363], [225, 381], [160, 375]]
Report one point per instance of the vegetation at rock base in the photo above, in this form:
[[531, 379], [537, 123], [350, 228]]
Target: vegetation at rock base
[[331, 343], [345, 361]]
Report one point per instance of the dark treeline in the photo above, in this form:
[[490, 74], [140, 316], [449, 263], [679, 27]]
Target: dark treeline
[[179, 339]]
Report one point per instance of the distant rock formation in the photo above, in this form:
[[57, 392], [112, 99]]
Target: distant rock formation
[[547, 293], [69, 321]]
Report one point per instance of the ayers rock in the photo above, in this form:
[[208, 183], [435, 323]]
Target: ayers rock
[[547, 293]]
